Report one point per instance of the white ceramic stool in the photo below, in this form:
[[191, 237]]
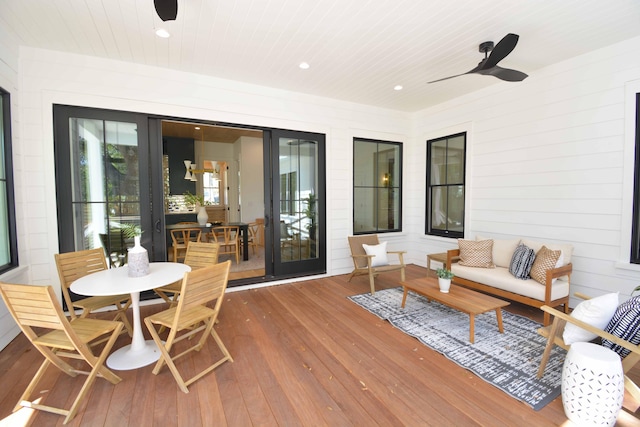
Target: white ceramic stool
[[592, 385]]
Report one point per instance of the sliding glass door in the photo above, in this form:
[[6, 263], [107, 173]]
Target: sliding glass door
[[102, 179], [297, 186]]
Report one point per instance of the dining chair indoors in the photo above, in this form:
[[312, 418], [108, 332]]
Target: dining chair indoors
[[254, 236], [228, 236], [190, 318], [57, 338], [199, 255], [74, 265], [180, 239]]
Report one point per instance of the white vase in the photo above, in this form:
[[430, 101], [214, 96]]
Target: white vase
[[138, 259], [203, 217], [444, 284]]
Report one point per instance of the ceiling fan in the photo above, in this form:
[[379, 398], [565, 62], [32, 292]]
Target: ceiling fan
[[489, 65], [167, 10]]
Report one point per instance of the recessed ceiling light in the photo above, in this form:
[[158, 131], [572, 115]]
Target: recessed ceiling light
[[397, 87], [161, 32], [197, 127], [304, 65]]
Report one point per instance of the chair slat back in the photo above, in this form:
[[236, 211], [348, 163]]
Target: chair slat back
[[201, 254], [204, 285], [356, 242], [74, 265], [33, 306]]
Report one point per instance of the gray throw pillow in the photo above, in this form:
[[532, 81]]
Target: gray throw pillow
[[521, 262]]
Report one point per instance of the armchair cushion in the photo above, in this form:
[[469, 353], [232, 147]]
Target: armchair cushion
[[625, 324], [379, 252], [596, 311]]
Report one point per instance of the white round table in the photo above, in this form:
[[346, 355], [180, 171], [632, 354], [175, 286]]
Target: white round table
[[117, 281]]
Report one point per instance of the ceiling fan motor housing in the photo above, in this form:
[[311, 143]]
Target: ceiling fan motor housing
[[486, 47]]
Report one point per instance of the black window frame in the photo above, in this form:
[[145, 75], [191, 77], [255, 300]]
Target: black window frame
[[7, 181], [396, 185], [635, 228], [429, 230]]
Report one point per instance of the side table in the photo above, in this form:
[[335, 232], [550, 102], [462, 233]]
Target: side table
[[441, 257]]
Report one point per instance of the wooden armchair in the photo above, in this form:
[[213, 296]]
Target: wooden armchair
[[363, 264], [554, 332]]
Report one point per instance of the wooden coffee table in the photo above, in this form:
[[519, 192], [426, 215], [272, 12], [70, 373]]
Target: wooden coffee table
[[458, 298]]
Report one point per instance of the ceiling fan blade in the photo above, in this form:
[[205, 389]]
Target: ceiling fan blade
[[505, 74], [475, 70], [167, 9], [501, 50]]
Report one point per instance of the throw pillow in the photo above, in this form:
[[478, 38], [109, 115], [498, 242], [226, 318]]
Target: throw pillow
[[379, 252], [546, 259], [625, 324], [476, 253], [521, 262], [596, 311]]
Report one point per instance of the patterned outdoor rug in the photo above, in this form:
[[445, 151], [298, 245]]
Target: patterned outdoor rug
[[508, 361]]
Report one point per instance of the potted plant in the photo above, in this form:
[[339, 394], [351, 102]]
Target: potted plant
[[444, 279], [193, 201]]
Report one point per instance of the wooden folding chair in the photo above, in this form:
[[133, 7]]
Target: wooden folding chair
[[74, 265], [57, 338], [362, 261], [199, 255], [192, 316]]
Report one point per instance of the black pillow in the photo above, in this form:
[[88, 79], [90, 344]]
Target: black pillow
[[625, 324], [521, 261]]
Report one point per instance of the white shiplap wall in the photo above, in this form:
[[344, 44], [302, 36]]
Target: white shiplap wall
[[547, 161], [49, 78], [9, 82]]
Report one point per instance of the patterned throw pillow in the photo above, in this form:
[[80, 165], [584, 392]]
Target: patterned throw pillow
[[546, 259], [521, 262], [476, 253], [625, 324]]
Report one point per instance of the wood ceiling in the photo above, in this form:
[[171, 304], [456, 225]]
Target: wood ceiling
[[208, 133], [358, 50]]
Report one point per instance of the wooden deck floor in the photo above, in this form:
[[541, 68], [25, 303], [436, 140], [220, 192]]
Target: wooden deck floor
[[304, 356]]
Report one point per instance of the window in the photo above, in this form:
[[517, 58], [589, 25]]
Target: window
[[445, 185], [377, 186], [8, 239], [635, 229]]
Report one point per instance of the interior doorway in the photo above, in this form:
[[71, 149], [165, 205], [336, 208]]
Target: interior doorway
[[222, 167]]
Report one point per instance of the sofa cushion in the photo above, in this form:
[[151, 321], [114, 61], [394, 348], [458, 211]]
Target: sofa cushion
[[546, 259], [500, 278], [567, 250], [596, 312], [379, 252], [625, 324], [521, 262], [502, 251], [476, 253]]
